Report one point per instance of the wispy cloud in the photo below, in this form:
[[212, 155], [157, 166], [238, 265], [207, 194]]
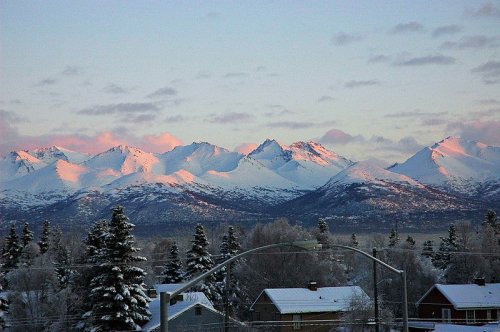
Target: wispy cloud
[[291, 124], [175, 118], [72, 71], [415, 113], [408, 27], [337, 136], [490, 72], [489, 101], [342, 38], [120, 108], [476, 42], [231, 117], [446, 30], [437, 59], [203, 75], [46, 81], [358, 84], [325, 98], [235, 75], [115, 89], [379, 58], [12, 117], [488, 10], [163, 92], [484, 131]]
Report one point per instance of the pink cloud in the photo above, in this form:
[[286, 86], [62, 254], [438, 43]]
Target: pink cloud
[[11, 139], [487, 132], [337, 136], [245, 148]]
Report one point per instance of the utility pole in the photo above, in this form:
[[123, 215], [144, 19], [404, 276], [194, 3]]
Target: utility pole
[[375, 291]]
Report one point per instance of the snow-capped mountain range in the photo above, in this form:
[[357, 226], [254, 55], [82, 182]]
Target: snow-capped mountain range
[[203, 181]]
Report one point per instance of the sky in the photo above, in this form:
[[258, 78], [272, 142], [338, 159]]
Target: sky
[[367, 79]]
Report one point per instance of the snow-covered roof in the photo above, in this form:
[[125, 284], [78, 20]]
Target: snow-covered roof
[[492, 327], [467, 296], [190, 299], [303, 300]]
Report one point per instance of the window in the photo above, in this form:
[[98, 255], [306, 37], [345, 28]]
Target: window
[[446, 315], [197, 310], [297, 322], [488, 315], [470, 316]]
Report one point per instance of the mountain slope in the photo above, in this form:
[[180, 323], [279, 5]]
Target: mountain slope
[[458, 164]]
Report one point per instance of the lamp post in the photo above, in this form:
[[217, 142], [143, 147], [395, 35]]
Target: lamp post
[[401, 273], [166, 296]]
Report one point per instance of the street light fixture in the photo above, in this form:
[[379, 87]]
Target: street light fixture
[[166, 296]]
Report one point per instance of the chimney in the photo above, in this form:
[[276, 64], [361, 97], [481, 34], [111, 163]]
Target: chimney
[[312, 286], [480, 281]]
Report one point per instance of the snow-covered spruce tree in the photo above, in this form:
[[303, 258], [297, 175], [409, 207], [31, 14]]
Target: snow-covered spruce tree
[[117, 295], [44, 239], [61, 260], [393, 238], [27, 237], [4, 304], [354, 241], [410, 242], [230, 247], [172, 273], [199, 260], [448, 244], [11, 251], [323, 232], [428, 249]]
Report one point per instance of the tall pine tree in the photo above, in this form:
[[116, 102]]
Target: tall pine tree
[[323, 232], [172, 273], [11, 251], [428, 249], [230, 247], [45, 238], [446, 246], [199, 260], [393, 238], [354, 241], [27, 237], [118, 298]]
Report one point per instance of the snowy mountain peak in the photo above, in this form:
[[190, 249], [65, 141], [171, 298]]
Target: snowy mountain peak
[[124, 159], [54, 153], [454, 162]]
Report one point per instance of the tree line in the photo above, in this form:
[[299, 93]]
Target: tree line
[[65, 283]]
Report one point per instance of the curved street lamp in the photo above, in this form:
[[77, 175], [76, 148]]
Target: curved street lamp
[[306, 245]]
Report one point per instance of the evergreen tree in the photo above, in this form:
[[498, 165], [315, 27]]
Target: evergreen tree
[[44, 239], [354, 241], [4, 305], [428, 249], [199, 260], [61, 260], [117, 295], [11, 251], [172, 273], [492, 221], [323, 232], [447, 245], [393, 238], [410, 241], [27, 236], [230, 247]]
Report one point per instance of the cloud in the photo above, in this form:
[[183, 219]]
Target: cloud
[[405, 145], [485, 10], [433, 122], [72, 71], [415, 113], [490, 72], [408, 27], [446, 30], [140, 118], [484, 131], [11, 139], [175, 118], [11, 117], [46, 81], [291, 124], [473, 42], [122, 108], [486, 113], [427, 60], [277, 110], [325, 98], [342, 38], [235, 75], [378, 58], [358, 84], [245, 148], [337, 136], [115, 89], [231, 117], [489, 101], [163, 92], [203, 75]]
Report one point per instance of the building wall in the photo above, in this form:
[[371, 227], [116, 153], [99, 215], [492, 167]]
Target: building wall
[[266, 311], [430, 309]]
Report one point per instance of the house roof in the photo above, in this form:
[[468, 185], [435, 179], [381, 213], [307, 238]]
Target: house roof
[[190, 299], [468, 296], [492, 327], [303, 300]]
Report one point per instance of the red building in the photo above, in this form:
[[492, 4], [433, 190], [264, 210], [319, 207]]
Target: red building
[[474, 304]]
